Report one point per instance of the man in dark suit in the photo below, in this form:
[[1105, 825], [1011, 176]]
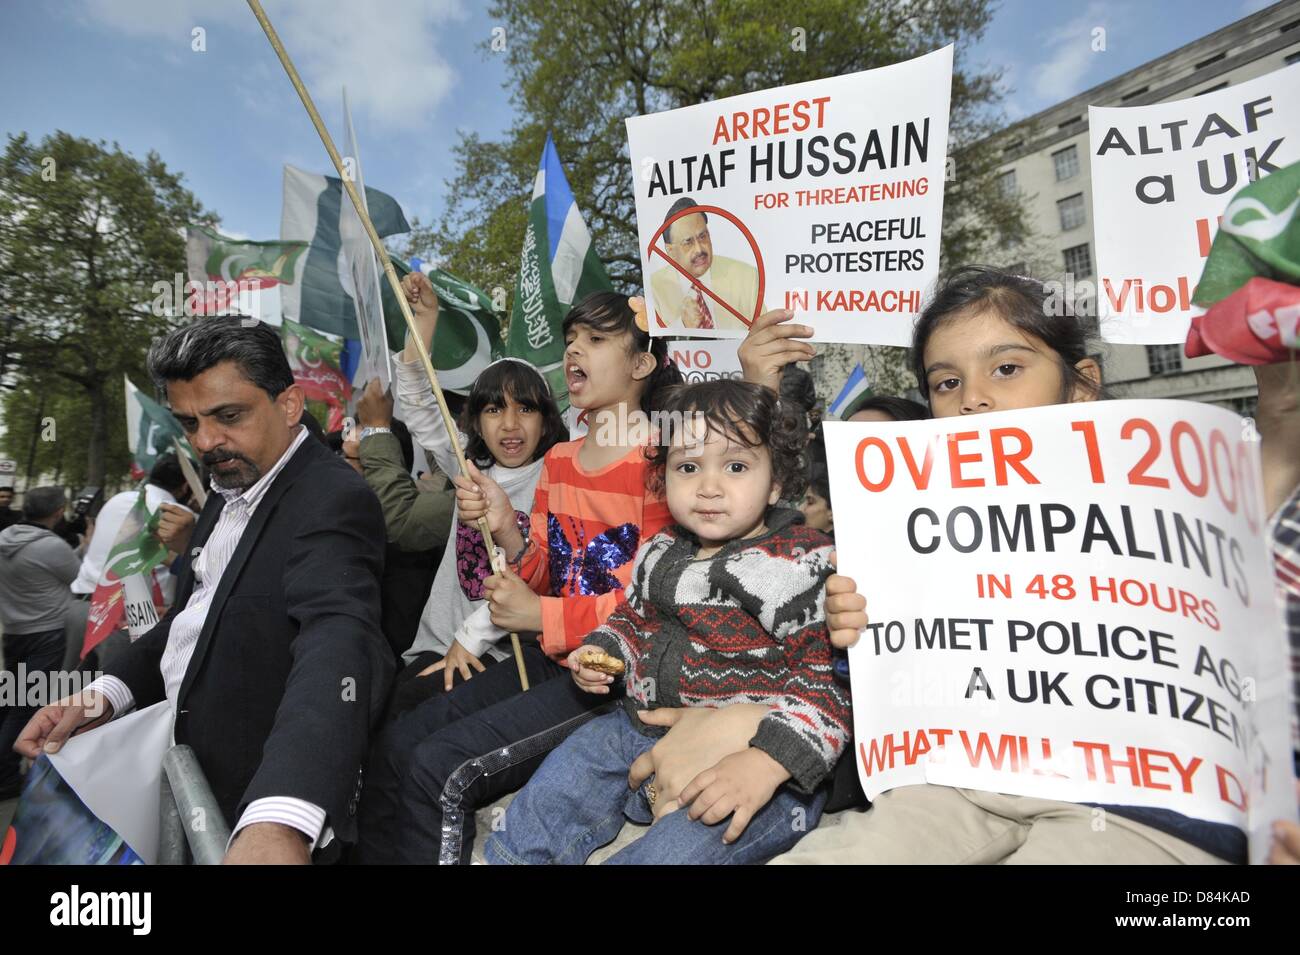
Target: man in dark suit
[[271, 656]]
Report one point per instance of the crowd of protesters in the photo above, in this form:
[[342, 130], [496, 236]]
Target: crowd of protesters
[[661, 687]]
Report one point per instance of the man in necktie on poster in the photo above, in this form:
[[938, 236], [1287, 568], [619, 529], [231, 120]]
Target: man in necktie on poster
[[683, 301]]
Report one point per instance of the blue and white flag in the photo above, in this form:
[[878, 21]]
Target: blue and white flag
[[856, 386]]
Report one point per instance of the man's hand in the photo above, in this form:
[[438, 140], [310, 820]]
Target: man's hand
[[514, 607], [739, 786], [175, 527], [50, 726], [771, 345], [458, 659], [690, 315], [375, 409], [268, 843], [593, 681], [846, 609], [424, 309], [698, 738]]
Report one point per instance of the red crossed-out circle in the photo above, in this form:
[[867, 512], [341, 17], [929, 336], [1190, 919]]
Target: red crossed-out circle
[[655, 249]]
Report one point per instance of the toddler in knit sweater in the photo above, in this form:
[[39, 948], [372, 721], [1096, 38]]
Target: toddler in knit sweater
[[724, 606]]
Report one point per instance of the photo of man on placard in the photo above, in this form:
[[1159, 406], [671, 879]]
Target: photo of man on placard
[[681, 301]]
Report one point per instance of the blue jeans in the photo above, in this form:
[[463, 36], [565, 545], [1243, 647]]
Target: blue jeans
[[577, 801]]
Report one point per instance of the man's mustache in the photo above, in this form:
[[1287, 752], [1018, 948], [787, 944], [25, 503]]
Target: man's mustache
[[216, 457]]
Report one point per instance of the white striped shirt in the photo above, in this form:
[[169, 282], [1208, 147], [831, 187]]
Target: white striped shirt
[[209, 567]]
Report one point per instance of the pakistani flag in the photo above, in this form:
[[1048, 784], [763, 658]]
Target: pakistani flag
[[126, 589], [468, 336], [558, 266], [320, 294], [150, 430], [235, 274], [315, 361]]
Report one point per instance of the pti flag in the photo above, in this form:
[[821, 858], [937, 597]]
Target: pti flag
[[150, 430], [854, 388], [236, 276], [315, 363], [320, 294], [126, 587], [558, 266]]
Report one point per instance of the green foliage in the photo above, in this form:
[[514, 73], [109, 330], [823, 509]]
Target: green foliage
[[86, 230], [580, 67]]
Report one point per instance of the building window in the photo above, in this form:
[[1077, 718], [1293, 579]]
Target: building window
[[1215, 88], [1071, 211], [1077, 261], [1245, 406], [1069, 122], [1214, 59], [1012, 147], [1163, 359], [1007, 183], [1066, 162], [1293, 58], [1134, 93]]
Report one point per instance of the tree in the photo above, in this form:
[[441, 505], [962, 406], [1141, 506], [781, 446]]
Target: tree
[[86, 231], [579, 67]]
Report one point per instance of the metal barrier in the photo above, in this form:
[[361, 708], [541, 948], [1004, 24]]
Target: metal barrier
[[191, 826]]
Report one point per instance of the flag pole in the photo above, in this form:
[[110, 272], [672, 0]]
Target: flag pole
[[498, 564]]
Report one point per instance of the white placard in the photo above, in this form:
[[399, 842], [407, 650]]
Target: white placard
[[1072, 602], [825, 197], [1161, 177]]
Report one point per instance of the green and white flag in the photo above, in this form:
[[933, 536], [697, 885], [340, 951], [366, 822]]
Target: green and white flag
[[236, 276], [150, 430], [468, 337], [362, 269], [558, 267], [320, 294]]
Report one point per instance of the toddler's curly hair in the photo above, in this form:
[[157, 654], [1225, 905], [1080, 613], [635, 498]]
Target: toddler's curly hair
[[746, 413]]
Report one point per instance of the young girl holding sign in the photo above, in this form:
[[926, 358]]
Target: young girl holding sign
[[590, 512], [989, 342]]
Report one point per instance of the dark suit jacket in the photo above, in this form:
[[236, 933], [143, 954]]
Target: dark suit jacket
[[290, 670]]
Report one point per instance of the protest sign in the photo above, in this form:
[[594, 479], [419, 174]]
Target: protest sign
[[1161, 179], [127, 590], [1073, 602], [701, 359], [824, 197]]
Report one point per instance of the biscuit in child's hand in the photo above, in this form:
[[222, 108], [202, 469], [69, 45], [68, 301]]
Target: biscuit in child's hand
[[601, 662]]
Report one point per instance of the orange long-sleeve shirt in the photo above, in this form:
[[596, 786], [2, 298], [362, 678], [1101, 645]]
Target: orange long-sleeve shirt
[[586, 528]]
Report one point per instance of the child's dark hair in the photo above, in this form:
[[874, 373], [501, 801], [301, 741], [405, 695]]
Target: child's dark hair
[[820, 482], [610, 313], [900, 409], [525, 384], [1024, 303], [748, 414]]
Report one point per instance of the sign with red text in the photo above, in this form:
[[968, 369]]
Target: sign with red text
[[1162, 175], [1073, 602], [824, 197], [702, 359]]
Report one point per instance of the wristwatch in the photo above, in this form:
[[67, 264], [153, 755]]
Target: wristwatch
[[368, 431]]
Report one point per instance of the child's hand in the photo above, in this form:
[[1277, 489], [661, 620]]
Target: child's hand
[[738, 786], [593, 681], [512, 604], [424, 309], [480, 496], [771, 344], [846, 609]]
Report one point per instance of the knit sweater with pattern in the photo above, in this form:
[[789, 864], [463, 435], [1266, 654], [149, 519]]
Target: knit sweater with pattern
[[747, 625]]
